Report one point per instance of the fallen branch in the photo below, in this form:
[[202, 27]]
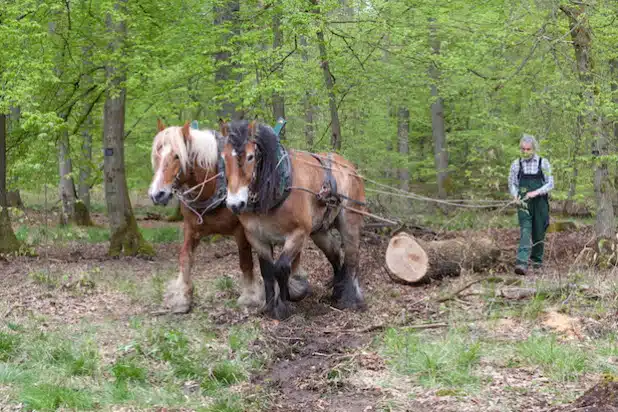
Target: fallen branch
[[381, 326], [453, 295]]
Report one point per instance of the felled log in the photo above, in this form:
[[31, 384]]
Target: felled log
[[410, 260], [562, 226], [569, 208]]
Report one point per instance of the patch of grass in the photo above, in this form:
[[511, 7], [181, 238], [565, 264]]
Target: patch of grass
[[47, 396], [11, 374], [164, 234], [224, 284], [560, 361], [9, 343], [447, 361], [222, 374], [125, 370], [37, 235]]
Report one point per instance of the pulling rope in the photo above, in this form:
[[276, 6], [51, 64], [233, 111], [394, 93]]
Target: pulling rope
[[182, 197], [463, 203]]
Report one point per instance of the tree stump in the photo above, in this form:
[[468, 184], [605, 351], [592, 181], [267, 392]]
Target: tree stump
[[412, 261]]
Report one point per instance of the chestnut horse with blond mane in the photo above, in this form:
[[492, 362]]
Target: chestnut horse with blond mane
[[186, 163], [286, 197]]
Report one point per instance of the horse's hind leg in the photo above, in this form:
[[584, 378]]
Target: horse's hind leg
[[346, 289], [298, 284], [179, 293], [331, 248], [252, 293]]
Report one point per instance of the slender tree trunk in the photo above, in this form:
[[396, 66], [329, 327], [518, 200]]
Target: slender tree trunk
[[66, 187], [335, 126], [403, 135], [307, 104], [613, 67], [8, 241], [85, 172], [329, 81], [278, 98], [579, 133], [582, 43], [437, 116], [125, 237], [226, 15]]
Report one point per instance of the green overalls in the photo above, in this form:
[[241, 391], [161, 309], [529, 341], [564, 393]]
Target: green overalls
[[533, 220]]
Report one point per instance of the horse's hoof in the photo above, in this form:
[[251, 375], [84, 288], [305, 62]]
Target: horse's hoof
[[278, 310], [353, 304], [250, 300], [178, 298], [180, 309], [299, 288]]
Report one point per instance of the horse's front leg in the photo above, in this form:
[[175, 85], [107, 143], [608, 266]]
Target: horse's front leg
[[252, 294], [179, 293], [283, 266]]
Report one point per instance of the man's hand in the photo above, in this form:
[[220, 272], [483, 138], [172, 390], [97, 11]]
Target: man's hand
[[531, 195]]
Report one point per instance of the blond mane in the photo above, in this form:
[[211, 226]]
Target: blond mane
[[200, 149]]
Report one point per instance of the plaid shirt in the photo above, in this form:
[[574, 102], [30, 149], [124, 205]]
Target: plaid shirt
[[531, 166]]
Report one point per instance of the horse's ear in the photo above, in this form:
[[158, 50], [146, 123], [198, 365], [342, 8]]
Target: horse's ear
[[252, 128], [223, 127], [186, 132], [160, 125]]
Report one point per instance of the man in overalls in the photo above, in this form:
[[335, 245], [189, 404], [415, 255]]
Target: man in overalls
[[530, 180]]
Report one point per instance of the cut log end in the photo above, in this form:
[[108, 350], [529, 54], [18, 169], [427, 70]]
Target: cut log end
[[413, 261], [405, 259]]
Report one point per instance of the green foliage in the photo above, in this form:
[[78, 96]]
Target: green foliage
[[49, 397], [449, 361], [8, 345], [560, 361]]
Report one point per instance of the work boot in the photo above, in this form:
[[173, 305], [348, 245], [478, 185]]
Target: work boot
[[520, 270]]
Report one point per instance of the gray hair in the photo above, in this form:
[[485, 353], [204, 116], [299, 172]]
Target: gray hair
[[528, 138]]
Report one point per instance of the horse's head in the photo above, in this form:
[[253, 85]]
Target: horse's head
[[175, 151], [239, 156], [250, 156]]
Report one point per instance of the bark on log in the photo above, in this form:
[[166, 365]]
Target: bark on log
[[412, 261]]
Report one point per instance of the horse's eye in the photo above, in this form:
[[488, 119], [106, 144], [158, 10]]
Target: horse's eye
[[250, 157]]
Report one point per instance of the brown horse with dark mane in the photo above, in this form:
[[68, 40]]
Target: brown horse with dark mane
[[187, 163], [286, 197]]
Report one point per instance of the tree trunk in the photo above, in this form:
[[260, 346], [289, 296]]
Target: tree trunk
[[335, 127], [307, 104], [437, 116], [87, 127], [8, 241], [225, 14], [66, 186], [413, 261], [582, 43], [403, 134], [125, 237], [329, 81], [613, 67], [278, 98]]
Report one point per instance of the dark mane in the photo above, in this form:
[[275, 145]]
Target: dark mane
[[267, 179], [238, 135]]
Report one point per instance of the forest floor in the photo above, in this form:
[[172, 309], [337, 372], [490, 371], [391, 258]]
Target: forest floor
[[81, 331]]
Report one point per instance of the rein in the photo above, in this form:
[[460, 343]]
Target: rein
[[182, 196]]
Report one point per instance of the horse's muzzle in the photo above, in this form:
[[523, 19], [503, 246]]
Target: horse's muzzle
[[161, 198], [237, 208]]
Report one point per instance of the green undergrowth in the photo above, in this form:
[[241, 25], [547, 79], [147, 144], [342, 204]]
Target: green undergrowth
[[151, 364]]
